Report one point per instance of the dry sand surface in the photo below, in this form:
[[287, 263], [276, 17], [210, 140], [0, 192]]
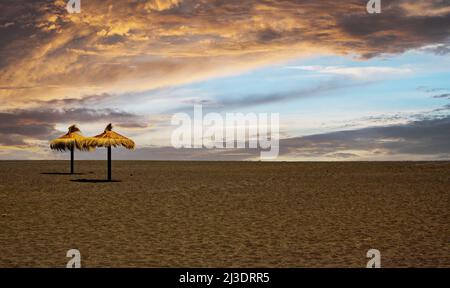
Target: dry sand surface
[[216, 214]]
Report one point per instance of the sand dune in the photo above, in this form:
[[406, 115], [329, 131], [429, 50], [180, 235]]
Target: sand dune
[[223, 214]]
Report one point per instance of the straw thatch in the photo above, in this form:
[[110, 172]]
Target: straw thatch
[[73, 139], [108, 138]]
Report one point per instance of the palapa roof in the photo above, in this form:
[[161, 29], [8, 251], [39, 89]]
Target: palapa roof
[[72, 139], [108, 138]]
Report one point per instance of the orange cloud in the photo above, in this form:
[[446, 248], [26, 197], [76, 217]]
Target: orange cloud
[[127, 46]]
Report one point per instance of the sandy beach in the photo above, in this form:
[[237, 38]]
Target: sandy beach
[[225, 214]]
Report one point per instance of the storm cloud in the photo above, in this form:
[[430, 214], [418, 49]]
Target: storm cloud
[[418, 138], [18, 125]]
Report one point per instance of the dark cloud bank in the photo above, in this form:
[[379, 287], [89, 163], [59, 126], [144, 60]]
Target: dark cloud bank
[[419, 138]]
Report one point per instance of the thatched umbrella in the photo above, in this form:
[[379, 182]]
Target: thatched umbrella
[[108, 139], [69, 141]]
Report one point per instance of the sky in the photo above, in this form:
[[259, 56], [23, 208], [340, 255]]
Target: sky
[[348, 85]]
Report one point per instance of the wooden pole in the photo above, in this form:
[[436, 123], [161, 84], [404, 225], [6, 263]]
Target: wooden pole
[[71, 159], [109, 163]]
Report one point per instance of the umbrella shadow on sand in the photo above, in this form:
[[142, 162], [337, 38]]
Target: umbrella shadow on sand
[[95, 181], [60, 173]]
